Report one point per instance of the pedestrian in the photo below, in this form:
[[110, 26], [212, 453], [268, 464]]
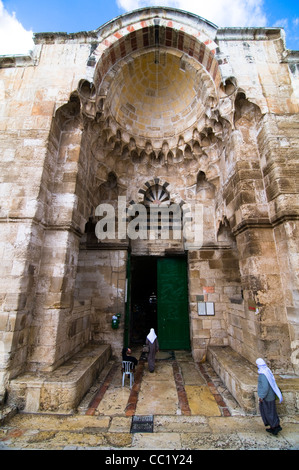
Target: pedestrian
[[152, 342], [126, 355], [266, 390]]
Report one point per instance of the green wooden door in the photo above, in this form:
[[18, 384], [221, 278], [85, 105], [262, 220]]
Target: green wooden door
[[172, 304]]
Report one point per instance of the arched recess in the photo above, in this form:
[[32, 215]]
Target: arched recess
[[117, 96], [109, 149], [149, 56], [192, 158], [156, 27]]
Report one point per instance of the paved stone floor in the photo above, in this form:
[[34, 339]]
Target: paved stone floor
[[191, 410]]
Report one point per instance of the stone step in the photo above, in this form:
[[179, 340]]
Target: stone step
[[61, 390], [240, 377]]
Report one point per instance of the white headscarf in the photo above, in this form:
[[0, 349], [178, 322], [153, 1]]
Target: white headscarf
[[152, 335], [264, 369]]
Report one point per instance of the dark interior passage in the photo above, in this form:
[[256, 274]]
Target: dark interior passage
[[143, 298]]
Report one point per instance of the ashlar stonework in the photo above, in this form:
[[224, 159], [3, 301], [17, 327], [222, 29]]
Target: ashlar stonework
[[158, 107]]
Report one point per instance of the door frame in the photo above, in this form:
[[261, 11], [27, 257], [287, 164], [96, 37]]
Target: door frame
[[128, 304]]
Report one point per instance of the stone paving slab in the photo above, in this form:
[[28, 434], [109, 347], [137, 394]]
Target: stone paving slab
[[170, 432], [145, 441], [201, 401], [181, 424], [104, 417], [158, 392], [191, 374]]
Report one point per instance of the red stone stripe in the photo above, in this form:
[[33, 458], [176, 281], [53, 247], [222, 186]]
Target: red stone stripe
[[213, 389], [133, 398], [103, 389], [182, 396]]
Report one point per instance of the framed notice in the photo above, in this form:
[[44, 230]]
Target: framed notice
[[201, 308], [210, 308], [205, 308]]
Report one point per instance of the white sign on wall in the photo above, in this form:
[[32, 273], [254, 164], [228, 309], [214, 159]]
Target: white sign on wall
[[205, 308]]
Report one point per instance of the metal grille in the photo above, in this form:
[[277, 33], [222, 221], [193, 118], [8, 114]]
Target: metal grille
[[142, 424]]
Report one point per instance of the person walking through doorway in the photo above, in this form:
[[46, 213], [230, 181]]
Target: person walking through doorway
[[152, 342], [266, 390]]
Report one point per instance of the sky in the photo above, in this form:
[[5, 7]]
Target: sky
[[19, 19]]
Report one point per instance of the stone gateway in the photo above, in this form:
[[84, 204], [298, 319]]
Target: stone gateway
[[156, 109]]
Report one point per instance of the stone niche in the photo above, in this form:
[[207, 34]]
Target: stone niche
[[156, 98], [101, 278]]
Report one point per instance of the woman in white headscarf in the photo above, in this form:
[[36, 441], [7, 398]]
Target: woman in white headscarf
[[266, 390], [152, 342]]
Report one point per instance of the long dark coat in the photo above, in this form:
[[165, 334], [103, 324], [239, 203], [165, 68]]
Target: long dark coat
[[153, 348]]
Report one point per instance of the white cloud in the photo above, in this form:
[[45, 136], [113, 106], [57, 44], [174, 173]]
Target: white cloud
[[14, 38], [282, 23], [291, 29], [222, 13]]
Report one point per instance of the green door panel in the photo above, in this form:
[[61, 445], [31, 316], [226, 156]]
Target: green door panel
[[172, 304]]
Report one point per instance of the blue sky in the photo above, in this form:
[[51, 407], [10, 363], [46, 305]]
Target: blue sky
[[19, 18]]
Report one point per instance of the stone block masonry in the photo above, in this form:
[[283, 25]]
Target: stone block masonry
[[157, 107]]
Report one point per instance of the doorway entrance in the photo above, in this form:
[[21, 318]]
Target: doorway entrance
[[159, 300], [143, 298]]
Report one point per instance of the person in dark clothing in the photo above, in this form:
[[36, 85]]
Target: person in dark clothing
[[127, 357], [152, 343], [266, 390]]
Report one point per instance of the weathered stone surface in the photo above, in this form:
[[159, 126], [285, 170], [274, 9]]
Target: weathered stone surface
[[240, 377], [62, 390], [131, 110]]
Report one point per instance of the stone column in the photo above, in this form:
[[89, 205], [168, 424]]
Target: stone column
[[21, 238], [279, 143], [265, 328], [55, 330], [287, 241]]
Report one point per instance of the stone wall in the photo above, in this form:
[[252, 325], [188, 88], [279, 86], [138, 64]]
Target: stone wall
[[214, 277], [101, 282], [30, 95], [66, 147]]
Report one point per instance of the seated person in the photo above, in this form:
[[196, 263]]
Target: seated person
[[126, 356]]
